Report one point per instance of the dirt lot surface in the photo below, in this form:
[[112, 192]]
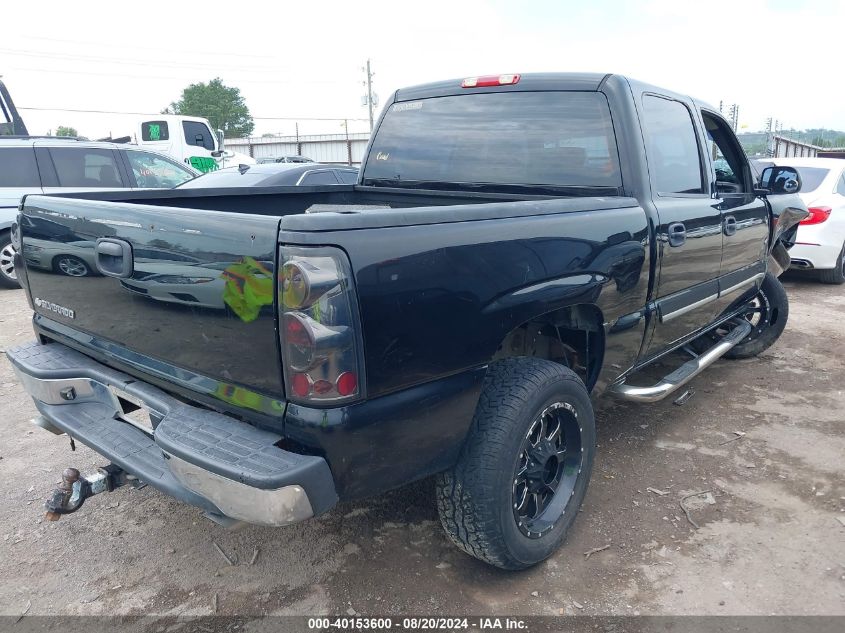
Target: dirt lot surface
[[771, 537]]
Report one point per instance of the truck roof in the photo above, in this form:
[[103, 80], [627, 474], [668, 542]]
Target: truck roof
[[527, 81], [585, 82]]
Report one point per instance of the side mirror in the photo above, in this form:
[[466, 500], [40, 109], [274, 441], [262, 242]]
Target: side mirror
[[780, 180], [220, 138]]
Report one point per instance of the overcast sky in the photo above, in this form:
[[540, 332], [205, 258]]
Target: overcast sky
[[298, 60]]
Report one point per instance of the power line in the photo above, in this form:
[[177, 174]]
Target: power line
[[175, 78], [123, 44], [259, 118], [130, 62]]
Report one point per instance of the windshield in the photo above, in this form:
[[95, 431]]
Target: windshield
[[532, 138]]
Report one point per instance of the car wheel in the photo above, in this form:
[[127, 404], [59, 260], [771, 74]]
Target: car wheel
[[835, 275], [524, 468], [8, 276], [71, 266]]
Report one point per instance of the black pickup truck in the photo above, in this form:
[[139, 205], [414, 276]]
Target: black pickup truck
[[515, 246]]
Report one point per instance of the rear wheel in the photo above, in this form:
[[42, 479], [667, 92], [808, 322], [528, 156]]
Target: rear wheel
[[8, 276], [525, 466], [835, 275]]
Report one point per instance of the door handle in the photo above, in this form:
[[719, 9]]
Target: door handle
[[730, 225], [114, 257], [677, 233]]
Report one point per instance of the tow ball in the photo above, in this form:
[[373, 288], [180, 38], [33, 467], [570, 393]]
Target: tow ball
[[75, 489]]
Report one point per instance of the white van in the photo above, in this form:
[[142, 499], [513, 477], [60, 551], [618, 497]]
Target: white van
[[188, 139]]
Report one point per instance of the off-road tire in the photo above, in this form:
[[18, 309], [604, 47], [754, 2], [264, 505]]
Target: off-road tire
[[5, 249], [764, 335], [835, 275], [475, 497]]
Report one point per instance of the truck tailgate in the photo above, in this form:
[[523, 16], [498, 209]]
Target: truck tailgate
[[183, 295]]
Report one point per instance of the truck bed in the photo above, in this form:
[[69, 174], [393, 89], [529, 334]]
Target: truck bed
[[172, 321], [358, 201]]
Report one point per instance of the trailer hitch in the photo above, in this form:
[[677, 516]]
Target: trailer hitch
[[75, 489]]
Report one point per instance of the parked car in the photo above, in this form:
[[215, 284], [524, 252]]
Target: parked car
[[820, 242], [517, 246], [59, 164], [275, 175], [196, 285], [286, 159]]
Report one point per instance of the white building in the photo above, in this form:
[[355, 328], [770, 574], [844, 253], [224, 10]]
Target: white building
[[323, 148]]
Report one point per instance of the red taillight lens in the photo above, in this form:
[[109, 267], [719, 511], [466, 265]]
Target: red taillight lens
[[301, 385], [320, 348], [817, 215], [297, 331], [346, 383], [490, 80]]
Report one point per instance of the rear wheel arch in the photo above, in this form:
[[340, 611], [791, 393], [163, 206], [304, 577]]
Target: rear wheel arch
[[572, 336]]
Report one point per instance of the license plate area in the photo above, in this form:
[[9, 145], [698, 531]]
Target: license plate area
[[132, 410]]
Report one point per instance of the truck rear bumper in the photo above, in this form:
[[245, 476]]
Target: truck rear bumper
[[210, 460]]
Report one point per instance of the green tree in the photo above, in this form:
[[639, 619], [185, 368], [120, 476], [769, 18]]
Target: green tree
[[64, 130], [224, 107]]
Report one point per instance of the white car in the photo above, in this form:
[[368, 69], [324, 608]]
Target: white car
[[820, 243], [177, 282]]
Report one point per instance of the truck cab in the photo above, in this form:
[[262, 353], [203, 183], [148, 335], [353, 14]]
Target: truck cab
[[188, 139]]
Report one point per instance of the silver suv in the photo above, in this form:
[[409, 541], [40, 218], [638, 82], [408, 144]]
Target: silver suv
[[56, 164]]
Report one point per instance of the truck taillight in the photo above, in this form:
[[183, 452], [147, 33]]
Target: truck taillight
[[320, 348], [817, 215], [490, 80]]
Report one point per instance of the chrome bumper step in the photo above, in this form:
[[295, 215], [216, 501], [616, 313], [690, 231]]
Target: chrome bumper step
[[210, 460], [686, 372]]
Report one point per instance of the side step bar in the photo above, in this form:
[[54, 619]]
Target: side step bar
[[685, 372]]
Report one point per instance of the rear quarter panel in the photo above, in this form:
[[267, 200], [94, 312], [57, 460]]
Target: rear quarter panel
[[439, 299]]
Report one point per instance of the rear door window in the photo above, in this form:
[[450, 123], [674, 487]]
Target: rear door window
[[152, 171], [86, 167], [18, 167], [673, 156], [198, 134]]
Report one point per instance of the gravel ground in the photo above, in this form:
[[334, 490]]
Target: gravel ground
[[771, 537]]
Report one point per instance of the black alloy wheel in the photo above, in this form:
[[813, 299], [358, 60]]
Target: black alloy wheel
[[547, 469]]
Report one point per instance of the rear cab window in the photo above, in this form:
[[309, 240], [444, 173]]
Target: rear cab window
[[347, 177], [155, 131], [18, 167], [86, 167], [557, 139], [319, 178]]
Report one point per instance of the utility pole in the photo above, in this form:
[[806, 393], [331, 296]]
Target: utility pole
[[369, 97]]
